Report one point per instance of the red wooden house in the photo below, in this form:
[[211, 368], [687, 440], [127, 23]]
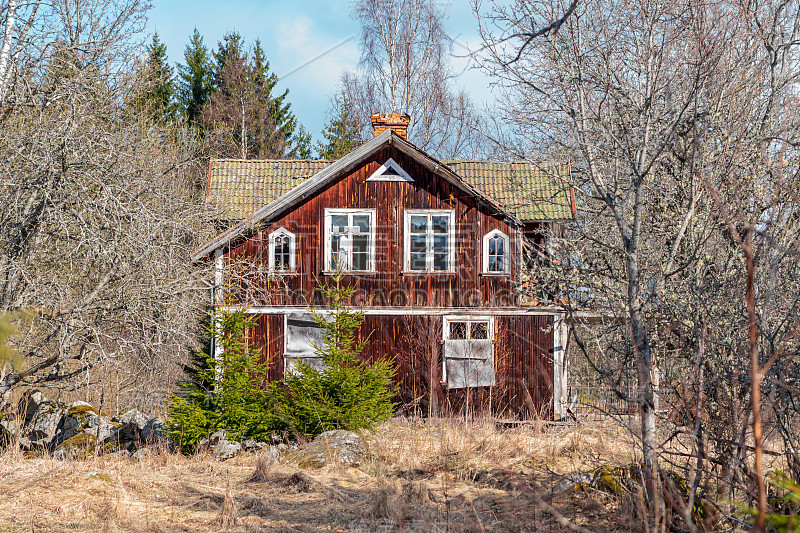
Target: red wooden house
[[435, 249]]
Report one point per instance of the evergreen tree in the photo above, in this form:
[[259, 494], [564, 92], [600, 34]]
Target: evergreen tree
[[196, 78], [283, 120], [302, 144], [228, 393], [230, 54], [346, 393], [343, 132], [242, 117], [9, 356], [160, 84]]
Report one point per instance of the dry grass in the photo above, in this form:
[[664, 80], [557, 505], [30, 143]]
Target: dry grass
[[447, 477]]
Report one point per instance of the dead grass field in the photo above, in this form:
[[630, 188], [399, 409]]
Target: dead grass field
[[449, 477]]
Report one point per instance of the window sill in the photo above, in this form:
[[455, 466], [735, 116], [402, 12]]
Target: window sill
[[496, 274], [350, 273], [436, 273], [283, 273]]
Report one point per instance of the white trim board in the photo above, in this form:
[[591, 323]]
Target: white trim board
[[282, 232], [504, 257], [429, 246], [328, 235], [400, 311]]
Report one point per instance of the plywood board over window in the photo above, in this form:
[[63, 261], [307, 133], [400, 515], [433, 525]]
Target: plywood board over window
[[303, 336], [468, 352]]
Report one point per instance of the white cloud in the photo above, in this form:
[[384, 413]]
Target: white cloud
[[310, 55]]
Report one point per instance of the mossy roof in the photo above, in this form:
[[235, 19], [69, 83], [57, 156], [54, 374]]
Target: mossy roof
[[530, 191]]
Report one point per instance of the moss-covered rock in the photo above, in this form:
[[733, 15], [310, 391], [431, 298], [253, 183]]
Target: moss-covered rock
[[80, 411], [338, 446], [79, 446], [83, 418]]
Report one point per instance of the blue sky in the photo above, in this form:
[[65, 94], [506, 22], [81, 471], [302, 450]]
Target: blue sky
[[308, 43]]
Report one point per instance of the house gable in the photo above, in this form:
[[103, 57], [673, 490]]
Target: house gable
[[340, 169], [385, 276]]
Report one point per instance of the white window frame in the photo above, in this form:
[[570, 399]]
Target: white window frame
[[328, 244], [446, 320], [429, 245], [292, 251], [506, 262]]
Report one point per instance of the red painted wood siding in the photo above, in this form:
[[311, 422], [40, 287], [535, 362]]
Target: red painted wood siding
[[388, 286], [522, 352]]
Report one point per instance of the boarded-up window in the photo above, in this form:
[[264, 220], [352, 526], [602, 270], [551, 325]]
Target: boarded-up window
[[468, 354], [303, 336]]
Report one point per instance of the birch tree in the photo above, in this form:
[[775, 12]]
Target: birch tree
[[18, 17], [405, 66], [658, 105]]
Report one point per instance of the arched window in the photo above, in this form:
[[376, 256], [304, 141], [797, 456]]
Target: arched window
[[281, 251], [495, 253]]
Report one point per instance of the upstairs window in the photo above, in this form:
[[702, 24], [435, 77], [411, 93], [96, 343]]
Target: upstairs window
[[495, 253], [429, 237], [350, 240], [281, 251]]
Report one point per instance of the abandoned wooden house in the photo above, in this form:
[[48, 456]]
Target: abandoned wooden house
[[435, 250]]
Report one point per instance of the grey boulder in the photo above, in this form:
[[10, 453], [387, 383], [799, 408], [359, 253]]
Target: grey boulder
[[83, 418], [45, 423], [226, 449], [8, 429], [154, 430], [331, 447], [252, 445], [132, 423], [30, 402]]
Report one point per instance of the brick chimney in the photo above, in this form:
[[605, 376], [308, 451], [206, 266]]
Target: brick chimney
[[391, 121]]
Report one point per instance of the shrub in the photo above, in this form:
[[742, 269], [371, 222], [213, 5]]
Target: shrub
[[346, 393], [228, 393]]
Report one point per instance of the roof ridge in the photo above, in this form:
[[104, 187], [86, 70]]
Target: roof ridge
[[239, 160]]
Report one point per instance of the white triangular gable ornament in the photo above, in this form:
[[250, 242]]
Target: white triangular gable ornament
[[390, 171]]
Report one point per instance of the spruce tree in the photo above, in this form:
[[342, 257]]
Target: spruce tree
[[242, 116], [283, 121], [343, 132], [196, 78], [302, 144], [227, 392], [160, 83], [10, 358], [347, 393]]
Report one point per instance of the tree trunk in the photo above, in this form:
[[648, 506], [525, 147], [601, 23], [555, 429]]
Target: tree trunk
[[644, 370], [5, 49]]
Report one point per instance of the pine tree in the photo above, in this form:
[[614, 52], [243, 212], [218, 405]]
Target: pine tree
[[160, 83], [343, 132], [196, 78]]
